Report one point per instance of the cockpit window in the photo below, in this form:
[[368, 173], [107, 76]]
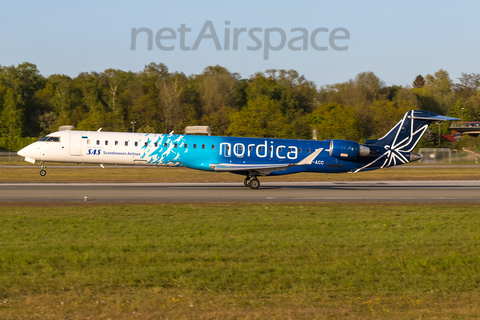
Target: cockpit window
[[50, 139]]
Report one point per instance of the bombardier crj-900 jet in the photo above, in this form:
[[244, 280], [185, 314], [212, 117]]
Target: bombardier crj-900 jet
[[251, 157]]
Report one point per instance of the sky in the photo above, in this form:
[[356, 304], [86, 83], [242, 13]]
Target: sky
[[395, 40]]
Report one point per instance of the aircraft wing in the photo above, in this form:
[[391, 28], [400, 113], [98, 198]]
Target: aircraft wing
[[263, 168]]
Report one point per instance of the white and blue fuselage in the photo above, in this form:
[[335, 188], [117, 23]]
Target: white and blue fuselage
[[196, 152], [251, 157]]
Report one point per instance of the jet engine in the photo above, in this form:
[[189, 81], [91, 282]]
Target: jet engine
[[345, 149]]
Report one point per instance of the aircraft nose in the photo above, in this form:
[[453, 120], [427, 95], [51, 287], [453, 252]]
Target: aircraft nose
[[22, 152]]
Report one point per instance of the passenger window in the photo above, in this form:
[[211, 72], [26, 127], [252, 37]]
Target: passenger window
[[299, 150], [185, 145], [88, 141], [136, 143], [106, 142], [203, 146], [270, 149], [250, 148], [213, 146], [165, 144], [308, 150], [146, 144], [98, 142], [240, 148], [175, 145], [194, 146], [280, 149], [156, 144], [261, 149], [116, 143], [126, 143]]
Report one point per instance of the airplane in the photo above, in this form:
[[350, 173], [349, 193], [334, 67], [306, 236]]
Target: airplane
[[251, 157]]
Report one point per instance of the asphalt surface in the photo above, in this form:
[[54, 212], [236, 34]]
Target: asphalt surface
[[359, 191]]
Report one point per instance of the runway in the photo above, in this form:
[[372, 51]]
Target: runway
[[358, 191]]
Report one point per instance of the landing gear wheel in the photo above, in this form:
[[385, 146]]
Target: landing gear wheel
[[42, 169], [254, 183]]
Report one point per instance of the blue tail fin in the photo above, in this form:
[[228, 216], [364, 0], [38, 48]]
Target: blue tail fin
[[397, 145], [407, 133]]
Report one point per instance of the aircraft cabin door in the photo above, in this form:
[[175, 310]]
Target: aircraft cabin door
[[75, 143]]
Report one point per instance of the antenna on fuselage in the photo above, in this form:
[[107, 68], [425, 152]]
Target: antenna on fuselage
[[99, 130], [171, 132]]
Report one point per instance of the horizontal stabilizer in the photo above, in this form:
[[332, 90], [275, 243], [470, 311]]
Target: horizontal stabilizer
[[436, 117]]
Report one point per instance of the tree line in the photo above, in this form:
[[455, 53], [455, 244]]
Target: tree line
[[274, 103]]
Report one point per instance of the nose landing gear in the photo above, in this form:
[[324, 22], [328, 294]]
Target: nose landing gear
[[43, 172], [251, 182]]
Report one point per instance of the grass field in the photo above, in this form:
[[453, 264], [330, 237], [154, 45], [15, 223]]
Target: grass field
[[239, 261], [161, 174]]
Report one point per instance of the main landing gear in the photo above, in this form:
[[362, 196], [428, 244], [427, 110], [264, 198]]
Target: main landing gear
[[43, 172], [251, 182]]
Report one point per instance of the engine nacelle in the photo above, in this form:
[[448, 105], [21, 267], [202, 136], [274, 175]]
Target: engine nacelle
[[345, 149]]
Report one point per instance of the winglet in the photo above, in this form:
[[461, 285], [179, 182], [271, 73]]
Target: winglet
[[308, 160]]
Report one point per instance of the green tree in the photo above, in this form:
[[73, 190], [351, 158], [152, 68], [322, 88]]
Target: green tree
[[469, 143], [115, 82], [360, 92], [336, 121], [217, 92], [437, 95], [90, 111], [277, 85], [142, 101], [172, 88], [64, 100], [294, 97], [471, 107], [217, 88], [25, 80], [468, 86], [2, 94], [261, 118], [386, 115], [11, 120], [408, 94]]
